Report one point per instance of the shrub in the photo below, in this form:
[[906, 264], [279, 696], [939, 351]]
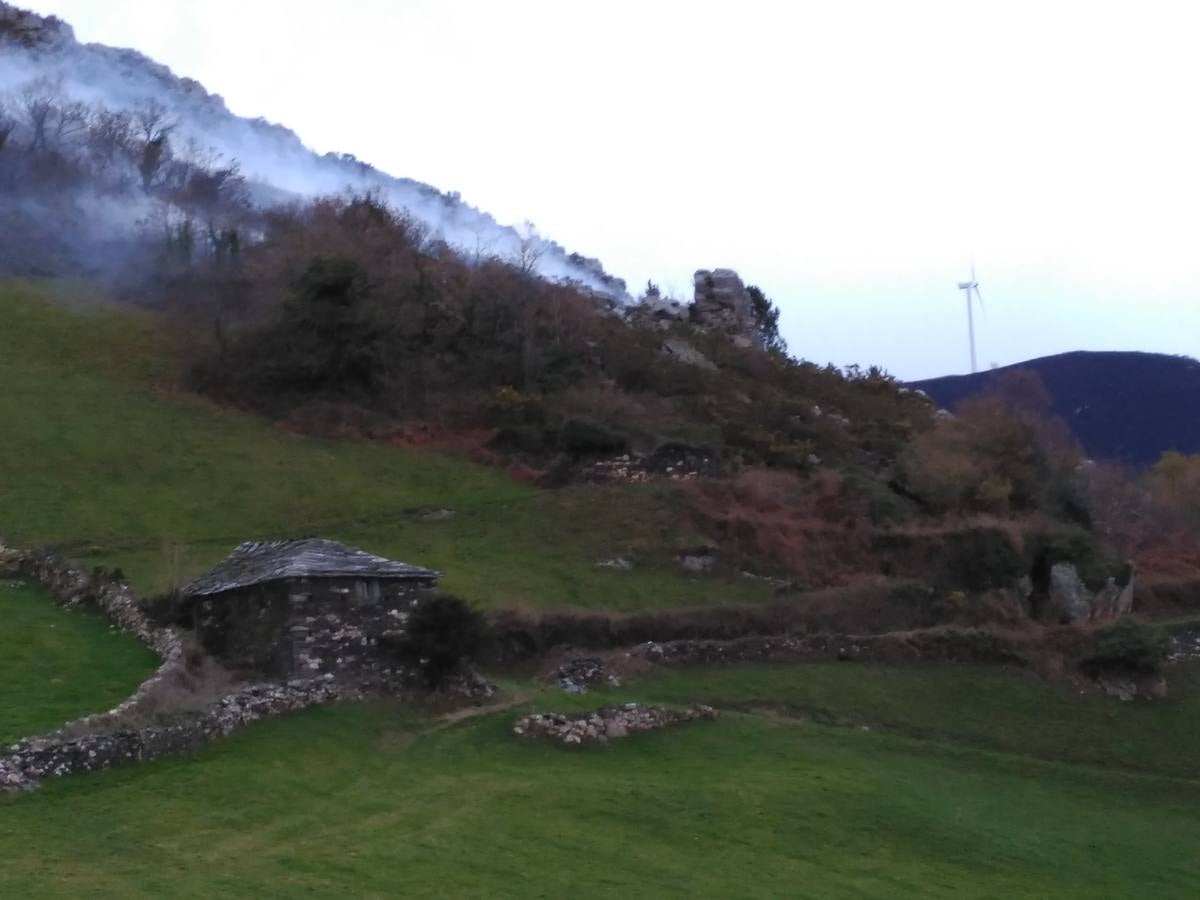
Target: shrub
[[1127, 647], [442, 632]]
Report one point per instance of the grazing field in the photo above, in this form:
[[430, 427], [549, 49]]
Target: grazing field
[[57, 665], [103, 453], [382, 800], [839, 780]]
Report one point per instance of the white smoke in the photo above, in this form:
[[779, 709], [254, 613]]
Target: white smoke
[[271, 156]]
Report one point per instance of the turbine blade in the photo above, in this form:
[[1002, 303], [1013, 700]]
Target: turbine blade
[[979, 297]]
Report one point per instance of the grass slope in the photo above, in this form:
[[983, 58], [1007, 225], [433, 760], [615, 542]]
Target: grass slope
[[56, 665], [102, 454], [369, 800]]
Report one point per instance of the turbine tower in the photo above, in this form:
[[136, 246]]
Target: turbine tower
[[967, 287]]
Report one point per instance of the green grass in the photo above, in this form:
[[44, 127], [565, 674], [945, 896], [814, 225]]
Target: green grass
[[821, 780], [57, 665], [103, 454], [1003, 710], [367, 801]]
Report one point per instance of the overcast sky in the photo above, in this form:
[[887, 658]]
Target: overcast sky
[[850, 158]]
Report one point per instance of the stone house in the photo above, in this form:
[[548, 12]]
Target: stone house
[[301, 607]]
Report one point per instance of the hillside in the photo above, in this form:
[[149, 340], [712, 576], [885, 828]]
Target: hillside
[[50, 83], [1122, 407]]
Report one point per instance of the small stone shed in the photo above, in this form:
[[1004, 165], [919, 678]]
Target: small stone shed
[[301, 607]]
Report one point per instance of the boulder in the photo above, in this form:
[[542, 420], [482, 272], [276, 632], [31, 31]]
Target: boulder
[[1069, 601], [680, 349]]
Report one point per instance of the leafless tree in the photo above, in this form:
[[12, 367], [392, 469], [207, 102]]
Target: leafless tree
[[39, 99], [153, 126], [8, 124], [530, 248]]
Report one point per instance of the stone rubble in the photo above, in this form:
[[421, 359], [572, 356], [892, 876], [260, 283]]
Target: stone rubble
[[578, 676], [605, 724]]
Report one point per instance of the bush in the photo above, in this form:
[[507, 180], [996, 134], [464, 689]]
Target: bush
[[1127, 647], [443, 631]]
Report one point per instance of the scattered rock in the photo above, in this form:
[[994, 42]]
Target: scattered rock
[[698, 562], [607, 723], [679, 349], [619, 563], [578, 676]]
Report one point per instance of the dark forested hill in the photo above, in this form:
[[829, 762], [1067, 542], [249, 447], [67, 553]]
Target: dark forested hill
[[1124, 407]]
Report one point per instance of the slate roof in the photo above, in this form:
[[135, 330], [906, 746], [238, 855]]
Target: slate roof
[[255, 562]]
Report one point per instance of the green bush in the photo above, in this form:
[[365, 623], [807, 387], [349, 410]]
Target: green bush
[[1127, 647], [443, 632]]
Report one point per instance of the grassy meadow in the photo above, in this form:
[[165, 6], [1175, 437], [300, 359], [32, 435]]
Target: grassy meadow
[[104, 455], [381, 800], [837, 780]]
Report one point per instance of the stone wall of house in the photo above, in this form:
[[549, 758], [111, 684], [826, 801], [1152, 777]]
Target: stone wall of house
[[306, 627]]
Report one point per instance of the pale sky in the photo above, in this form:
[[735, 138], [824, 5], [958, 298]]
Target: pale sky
[[851, 158]]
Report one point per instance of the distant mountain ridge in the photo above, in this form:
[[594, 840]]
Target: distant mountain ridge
[[1126, 407], [271, 156]]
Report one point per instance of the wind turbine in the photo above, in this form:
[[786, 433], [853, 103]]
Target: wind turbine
[[967, 287]]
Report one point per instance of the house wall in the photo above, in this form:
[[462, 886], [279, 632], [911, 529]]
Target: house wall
[[305, 627]]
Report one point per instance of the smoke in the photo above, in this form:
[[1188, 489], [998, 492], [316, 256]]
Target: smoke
[[274, 161]]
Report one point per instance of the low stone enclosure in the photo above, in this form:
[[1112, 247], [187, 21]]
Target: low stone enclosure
[[607, 723], [145, 726]]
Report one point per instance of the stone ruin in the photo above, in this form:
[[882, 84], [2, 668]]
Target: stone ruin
[[606, 724]]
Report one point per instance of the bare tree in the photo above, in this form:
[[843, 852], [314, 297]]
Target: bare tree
[[530, 248], [153, 126], [39, 99], [8, 124], [110, 137]]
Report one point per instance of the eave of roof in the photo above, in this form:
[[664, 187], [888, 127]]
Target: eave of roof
[[259, 562]]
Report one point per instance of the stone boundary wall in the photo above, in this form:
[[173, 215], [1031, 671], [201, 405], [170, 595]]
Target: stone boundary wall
[[30, 760], [948, 644], [99, 741], [72, 588]]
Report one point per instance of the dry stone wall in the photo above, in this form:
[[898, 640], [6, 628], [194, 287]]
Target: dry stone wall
[[102, 740], [607, 723]]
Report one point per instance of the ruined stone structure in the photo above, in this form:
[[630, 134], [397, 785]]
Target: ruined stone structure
[[301, 608]]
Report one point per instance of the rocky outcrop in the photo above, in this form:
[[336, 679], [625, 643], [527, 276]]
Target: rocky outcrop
[[1069, 599], [657, 311], [723, 304], [607, 723]]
